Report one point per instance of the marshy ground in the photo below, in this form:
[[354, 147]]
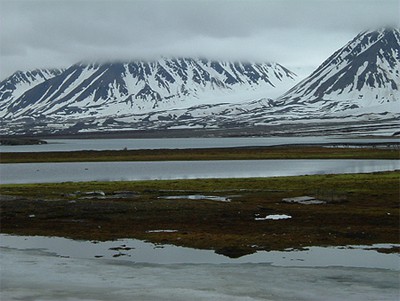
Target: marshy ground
[[359, 209]]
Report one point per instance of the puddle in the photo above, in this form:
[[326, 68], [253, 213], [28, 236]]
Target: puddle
[[304, 200], [196, 197]]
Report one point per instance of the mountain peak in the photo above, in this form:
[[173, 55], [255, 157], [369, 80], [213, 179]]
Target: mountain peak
[[362, 73], [15, 85]]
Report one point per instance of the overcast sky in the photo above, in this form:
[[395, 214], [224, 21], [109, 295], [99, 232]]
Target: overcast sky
[[295, 33]]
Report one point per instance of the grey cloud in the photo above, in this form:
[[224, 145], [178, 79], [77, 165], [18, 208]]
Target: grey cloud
[[43, 32]]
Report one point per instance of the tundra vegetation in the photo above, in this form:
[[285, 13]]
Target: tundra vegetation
[[330, 151], [357, 209]]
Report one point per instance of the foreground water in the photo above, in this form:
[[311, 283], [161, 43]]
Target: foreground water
[[40, 268], [129, 171]]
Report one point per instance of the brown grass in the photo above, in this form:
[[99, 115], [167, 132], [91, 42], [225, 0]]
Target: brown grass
[[361, 209], [250, 153]]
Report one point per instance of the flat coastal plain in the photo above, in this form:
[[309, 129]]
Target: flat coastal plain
[[234, 217]]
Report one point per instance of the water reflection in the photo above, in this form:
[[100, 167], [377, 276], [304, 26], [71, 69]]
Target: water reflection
[[37, 275], [128, 171], [196, 197], [144, 252]]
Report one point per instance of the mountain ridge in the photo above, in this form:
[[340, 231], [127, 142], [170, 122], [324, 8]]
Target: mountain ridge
[[19, 82], [363, 72], [360, 82], [143, 86]]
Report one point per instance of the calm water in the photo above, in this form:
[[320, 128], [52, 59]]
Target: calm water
[[40, 268], [179, 143], [127, 171], [137, 251]]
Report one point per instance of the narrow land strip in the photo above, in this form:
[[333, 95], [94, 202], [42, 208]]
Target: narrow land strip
[[238, 153]]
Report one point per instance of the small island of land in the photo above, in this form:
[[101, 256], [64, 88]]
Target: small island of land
[[313, 151], [21, 141]]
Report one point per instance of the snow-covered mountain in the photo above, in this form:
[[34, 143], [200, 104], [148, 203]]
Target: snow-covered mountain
[[364, 73], [20, 82], [114, 89], [357, 89]]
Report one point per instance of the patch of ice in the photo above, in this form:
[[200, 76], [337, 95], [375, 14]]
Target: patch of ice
[[273, 217], [196, 197], [161, 231]]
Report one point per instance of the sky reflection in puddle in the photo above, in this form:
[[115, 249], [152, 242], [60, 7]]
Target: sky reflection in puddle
[[144, 252], [196, 197]]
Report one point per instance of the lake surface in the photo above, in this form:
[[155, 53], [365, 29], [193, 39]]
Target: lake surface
[[178, 143], [129, 171], [41, 268]]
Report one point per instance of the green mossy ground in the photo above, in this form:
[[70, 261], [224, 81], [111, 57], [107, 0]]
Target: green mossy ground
[[249, 153], [360, 209]]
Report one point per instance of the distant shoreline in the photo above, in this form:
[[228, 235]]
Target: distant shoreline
[[381, 151], [356, 129], [21, 141]]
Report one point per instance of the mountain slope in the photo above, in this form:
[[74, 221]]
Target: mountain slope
[[363, 73], [17, 84], [138, 87], [355, 90]]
